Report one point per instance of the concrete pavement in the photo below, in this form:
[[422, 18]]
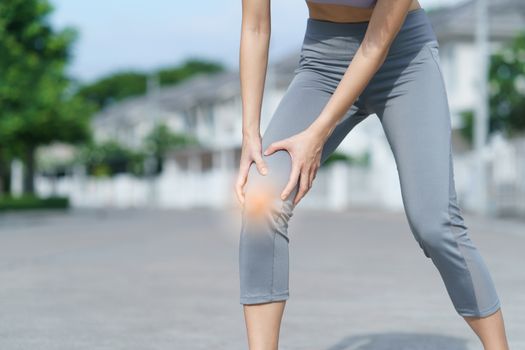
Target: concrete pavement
[[152, 279]]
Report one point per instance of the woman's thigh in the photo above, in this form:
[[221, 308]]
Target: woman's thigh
[[416, 120], [303, 101]]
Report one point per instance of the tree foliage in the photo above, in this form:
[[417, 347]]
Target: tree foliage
[[175, 75], [110, 158], [507, 87], [114, 88], [118, 86], [336, 156], [36, 106], [506, 92], [161, 139]]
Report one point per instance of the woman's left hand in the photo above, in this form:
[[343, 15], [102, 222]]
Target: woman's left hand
[[305, 149]]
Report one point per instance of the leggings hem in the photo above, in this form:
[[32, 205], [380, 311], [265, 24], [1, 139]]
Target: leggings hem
[[482, 313], [259, 299]]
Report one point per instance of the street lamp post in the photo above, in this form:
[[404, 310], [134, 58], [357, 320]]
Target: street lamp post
[[481, 117]]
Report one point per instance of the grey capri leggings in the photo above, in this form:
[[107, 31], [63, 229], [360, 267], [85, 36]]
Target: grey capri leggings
[[408, 96]]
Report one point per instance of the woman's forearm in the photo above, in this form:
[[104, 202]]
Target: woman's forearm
[[253, 62], [385, 22], [359, 72]]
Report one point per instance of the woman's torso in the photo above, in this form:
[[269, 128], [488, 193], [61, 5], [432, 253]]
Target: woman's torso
[[345, 10]]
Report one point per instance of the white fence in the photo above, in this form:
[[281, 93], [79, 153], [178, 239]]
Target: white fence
[[334, 187], [507, 177], [337, 186]]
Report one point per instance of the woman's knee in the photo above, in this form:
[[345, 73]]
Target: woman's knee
[[263, 204], [432, 230]]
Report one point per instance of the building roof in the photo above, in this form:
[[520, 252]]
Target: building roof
[[198, 89], [506, 18]]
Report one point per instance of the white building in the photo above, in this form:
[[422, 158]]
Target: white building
[[209, 107]]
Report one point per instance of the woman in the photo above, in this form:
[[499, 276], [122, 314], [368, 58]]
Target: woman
[[357, 58]]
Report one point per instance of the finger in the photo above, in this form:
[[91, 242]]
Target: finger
[[274, 147], [294, 176], [261, 164], [241, 180], [303, 187], [237, 195], [238, 191], [313, 173]]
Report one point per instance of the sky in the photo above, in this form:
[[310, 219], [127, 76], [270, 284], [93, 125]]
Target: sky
[[120, 35]]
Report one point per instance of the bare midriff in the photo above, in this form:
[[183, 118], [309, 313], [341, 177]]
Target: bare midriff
[[344, 13]]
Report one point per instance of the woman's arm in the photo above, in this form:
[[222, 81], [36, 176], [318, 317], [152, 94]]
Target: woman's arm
[[253, 62], [385, 22], [305, 147]]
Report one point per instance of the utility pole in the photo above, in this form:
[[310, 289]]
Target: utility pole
[[152, 91], [481, 116], [150, 163]]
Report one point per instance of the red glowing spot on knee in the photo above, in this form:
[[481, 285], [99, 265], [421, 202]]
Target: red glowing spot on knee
[[259, 201]]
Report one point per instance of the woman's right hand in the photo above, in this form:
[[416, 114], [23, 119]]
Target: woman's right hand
[[251, 152]]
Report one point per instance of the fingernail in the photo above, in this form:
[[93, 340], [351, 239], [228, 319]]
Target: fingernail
[[264, 171], [283, 196]]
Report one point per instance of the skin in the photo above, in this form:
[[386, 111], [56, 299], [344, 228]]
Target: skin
[[263, 321]]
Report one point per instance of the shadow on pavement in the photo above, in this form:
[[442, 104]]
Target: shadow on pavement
[[398, 341]]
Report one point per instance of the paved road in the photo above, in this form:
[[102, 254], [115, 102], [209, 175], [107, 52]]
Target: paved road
[[138, 279]]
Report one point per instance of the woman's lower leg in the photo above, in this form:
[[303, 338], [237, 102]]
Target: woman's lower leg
[[263, 324], [490, 330]]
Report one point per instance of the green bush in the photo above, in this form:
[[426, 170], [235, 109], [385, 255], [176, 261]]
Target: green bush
[[110, 158], [33, 202], [336, 156]]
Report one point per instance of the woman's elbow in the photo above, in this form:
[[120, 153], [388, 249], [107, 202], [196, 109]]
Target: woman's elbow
[[256, 23], [374, 49], [256, 16], [258, 28]]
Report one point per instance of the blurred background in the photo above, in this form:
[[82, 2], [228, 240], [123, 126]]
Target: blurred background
[[120, 136], [139, 105]]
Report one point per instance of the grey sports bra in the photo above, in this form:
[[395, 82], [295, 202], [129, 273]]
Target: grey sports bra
[[355, 3]]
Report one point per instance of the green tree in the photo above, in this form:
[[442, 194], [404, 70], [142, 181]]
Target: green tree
[[109, 158], [507, 91], [36, 106], [337, 156], [161, 139], [121, 85], [175, 75], [507, 87], [113, 88]]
